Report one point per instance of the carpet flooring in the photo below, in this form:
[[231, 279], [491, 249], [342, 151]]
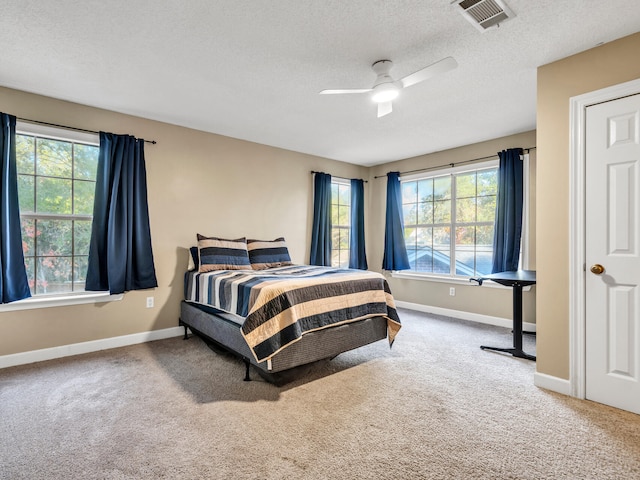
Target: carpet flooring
[[434, 406]]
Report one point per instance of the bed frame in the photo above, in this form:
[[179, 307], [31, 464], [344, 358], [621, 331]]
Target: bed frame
[[313, 346]]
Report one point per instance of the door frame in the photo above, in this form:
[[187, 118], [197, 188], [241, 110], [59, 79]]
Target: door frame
[[577, 215]]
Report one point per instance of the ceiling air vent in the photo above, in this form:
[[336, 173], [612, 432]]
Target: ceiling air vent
[[484, 14]]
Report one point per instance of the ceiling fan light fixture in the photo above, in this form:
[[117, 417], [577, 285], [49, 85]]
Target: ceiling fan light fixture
[[385, 92], [385, 89]]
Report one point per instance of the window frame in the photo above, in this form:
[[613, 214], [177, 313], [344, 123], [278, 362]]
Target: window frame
[[347, 183], [63, 298], [450, 277]]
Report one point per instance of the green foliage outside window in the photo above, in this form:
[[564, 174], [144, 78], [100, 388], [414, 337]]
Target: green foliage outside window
[[448, 222], [56, 186], [340, 224]]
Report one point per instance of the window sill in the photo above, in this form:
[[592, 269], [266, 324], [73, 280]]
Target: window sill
[[44, 301], [425, 277]]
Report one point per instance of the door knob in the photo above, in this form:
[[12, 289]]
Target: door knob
[[597, 269]]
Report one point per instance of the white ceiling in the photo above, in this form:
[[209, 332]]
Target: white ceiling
[[252, 69]]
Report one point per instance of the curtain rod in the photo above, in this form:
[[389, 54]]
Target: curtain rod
[[341, 178], [452, 164], [153, 142]]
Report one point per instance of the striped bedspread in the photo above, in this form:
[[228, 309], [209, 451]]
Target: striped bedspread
[[281, 304]]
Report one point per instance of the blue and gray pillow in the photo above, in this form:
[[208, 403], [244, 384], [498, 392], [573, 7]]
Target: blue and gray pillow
[[222, 254], [268, 253], [194, 256]]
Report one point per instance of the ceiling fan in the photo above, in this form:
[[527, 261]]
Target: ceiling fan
[[385, 88]]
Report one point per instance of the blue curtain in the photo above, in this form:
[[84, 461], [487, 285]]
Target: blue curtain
[[357, 254], [321, 230], [120, 256], [395, 250], [13, 280], [508, 223]]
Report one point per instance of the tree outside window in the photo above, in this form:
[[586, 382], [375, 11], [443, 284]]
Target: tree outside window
[[340, 223], [449, 221], [56, 186]]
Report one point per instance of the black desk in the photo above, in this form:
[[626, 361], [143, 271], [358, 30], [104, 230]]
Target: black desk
[[516, 280]]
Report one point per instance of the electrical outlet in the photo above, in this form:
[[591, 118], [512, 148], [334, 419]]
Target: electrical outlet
[[149, 302], [452, 291]]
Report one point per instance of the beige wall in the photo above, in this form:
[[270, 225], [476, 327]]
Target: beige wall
[[197, 183], [600, 67], [468, 298]]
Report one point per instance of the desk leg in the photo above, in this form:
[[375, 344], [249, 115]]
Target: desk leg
[[516, 351], [517, 317]]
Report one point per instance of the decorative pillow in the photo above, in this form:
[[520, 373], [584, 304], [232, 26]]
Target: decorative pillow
[[194, 261], [268, 253], [222, 254]]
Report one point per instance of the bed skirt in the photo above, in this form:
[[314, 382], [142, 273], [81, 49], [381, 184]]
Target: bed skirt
[[313, 346]]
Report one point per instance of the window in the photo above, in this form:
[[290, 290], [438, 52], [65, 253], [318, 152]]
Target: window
[[449, 220], [56, 186], [340, 222]]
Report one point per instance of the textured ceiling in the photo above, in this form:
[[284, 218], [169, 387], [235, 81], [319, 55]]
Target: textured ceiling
[[253, 69]]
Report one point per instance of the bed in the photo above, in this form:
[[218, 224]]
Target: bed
[[280, 315]]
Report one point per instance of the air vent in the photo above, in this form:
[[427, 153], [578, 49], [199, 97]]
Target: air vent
[[484, 14]]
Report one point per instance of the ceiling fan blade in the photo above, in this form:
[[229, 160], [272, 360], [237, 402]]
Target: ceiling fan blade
[[384, 108], [348, 90], [432, 70]]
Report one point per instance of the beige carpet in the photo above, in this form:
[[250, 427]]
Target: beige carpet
[[435, 406]]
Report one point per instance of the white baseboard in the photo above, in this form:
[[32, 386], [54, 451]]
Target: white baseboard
[[555, 384], [473, 317], [87, 347]]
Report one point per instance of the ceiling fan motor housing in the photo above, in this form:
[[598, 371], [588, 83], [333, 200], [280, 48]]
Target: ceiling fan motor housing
[[382, 68], [384, 88]]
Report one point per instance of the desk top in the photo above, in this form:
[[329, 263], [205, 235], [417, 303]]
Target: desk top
[[510, 279]]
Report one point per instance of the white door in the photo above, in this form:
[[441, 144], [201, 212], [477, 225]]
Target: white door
[[612, 227]]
